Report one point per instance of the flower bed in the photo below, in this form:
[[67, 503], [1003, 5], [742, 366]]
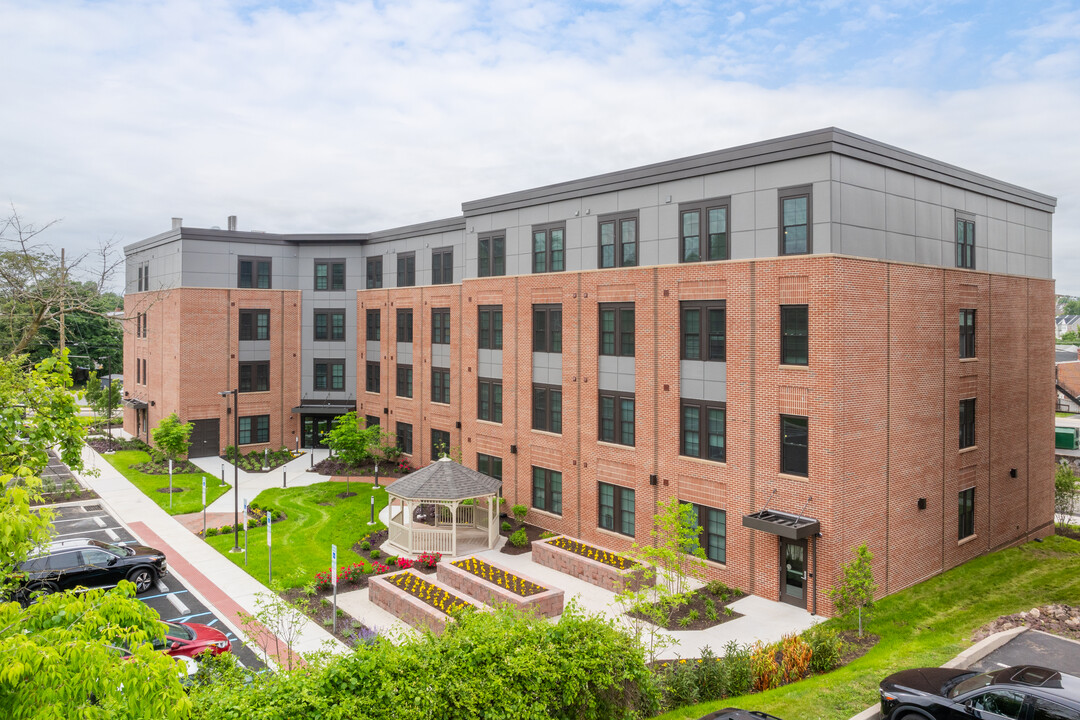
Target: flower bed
[[603, 568], [602, 556], [496, 585], [419, 602]]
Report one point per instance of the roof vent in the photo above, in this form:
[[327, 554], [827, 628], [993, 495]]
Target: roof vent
[[232, 223], [177, 222]]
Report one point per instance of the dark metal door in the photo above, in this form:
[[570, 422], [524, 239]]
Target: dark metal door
[[793, 572], [205, 438]]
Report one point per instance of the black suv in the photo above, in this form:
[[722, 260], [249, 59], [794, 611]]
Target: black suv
[[84, 562]]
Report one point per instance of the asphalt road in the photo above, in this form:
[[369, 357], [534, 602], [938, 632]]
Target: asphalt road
[[1034, 648]]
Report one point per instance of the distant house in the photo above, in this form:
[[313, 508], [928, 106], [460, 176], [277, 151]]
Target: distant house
[[1066, 323], [1067, 380]]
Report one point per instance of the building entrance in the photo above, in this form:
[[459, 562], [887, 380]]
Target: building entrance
[[793, 572]]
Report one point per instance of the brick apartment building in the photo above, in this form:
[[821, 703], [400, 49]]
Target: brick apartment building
[[818, 340]]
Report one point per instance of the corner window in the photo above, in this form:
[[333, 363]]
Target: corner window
[[404, 325], [491, 327], [329, 275], [329, 325], [374, 273], [794, 335], [704, 330], [491, 250], [404, 437], [967, 423], [549, 248], [253, 272], [442, 266], [794, 445], [547, 408], [713, 536], [374, 325], [373, 380], [254, 324], [547, 328], [618, 240], [489, 400], [617, 418], [703, 231], [967, 333], [404, 381], [254, 429], [440, 326], [440, 444], [617, 329], [406, 269], [965, 242], [440, 386], [703, 430], [796, 221], [489, 465], [616, 508], [547, 490], [330, 375], [967, 514], [255, 376]]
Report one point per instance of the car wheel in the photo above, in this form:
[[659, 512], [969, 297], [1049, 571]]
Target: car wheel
[[143, 579], [45, 587]]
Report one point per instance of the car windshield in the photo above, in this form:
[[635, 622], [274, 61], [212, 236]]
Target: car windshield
[[180, 632], [972, 683]]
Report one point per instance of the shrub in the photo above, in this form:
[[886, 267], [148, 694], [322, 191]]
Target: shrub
[[519, 511], [519, 538], [375, 554], [795, 656], [547, 534], [717, 588], [365, 546], [353, 573], [763, 664], [737, 672], [211, 531], [391, 560], [679, 684], [506, 525], [710, 676], [309, 590], [826, 647], [710, 610]]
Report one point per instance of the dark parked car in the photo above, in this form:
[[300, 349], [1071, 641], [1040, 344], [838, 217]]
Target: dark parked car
[[84, 562], [731, 713], [1025, 692]]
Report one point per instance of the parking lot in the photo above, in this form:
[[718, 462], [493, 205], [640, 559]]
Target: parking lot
[[1034, 648], [172, 600]]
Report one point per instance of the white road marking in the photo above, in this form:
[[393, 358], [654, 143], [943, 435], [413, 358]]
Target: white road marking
[[1001, 664], [82, 533]]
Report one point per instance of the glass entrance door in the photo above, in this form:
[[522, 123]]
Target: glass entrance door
[[314, 428], [793, 572]]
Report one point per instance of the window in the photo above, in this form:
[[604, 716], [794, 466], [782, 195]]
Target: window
[[713, 537], [617, 418], [140, 325], [796, 221], [329, 274], [704, 230], [440, 326], [547, 490], [489, 465], [254, 272], [330, 375], [547, 408], [144, 277], [617, 329], [549, 254], [404, 381], [406, 269], [404, 438], [965, 243], [492, 252], [374, 325], [440, 386], [794, 335], [547, 328], [617, 509], [138, 372], [254, 324], [491, 331], [967, 423], [440, 444], [618, 240], [374, 273], [145, 374], [967, 514], [370, 421], [255, 376], [967, 333], [794, 441], [998, 703], [372, 380], [329, 324], [708, 319], [1049, 710], [442, 266], [704, 431], [254, 429], [489, 401], [404, 326]]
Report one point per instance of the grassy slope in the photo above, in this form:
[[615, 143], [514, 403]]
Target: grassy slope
[[316, 519], [926, 625], [188, 501]]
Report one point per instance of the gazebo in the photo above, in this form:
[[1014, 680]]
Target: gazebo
[[445, 508]]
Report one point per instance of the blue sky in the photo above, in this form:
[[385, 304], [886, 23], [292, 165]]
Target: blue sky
[[342, 116]]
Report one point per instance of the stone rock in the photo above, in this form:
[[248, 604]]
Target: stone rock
[[1035, 613]]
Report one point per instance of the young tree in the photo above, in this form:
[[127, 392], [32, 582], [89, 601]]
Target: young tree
[[855, 589], [104, 399], [351, 442], [172, 437], [1066, 495]]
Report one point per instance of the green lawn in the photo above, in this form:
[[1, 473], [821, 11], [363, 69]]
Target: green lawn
[[1064, 414], [926, 625], [188, 501], [316, 519]]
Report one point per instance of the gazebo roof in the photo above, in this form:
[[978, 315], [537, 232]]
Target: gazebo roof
[[444, 480]]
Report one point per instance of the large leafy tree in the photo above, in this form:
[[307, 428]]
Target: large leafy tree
[[353, 444], [173, 437]]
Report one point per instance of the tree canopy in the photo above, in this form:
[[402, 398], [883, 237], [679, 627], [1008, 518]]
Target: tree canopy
[[172, 437]]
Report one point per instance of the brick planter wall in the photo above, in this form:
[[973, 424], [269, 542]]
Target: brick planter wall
[[548, 603], [401, 604], [583, 568]]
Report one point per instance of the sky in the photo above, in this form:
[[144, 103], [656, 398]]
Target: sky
[[312, 116]]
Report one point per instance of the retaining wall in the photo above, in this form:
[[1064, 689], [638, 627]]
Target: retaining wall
[[583, 568], [548, 603]]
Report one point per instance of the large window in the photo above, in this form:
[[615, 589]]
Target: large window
[[404, 326], [406, 269], [404, 437], [489, 465], [617, 329], [255, 376], [442, 266], [796, 221], [965, 243], [704, 330], [967, 514], [370, 421], [404, 381], [794, 445], [440, 444], [491, 327], [253, 272], [713, 536], [374, 273], [440, 386], [373, 380], [704, 430], [329, 324], [794, 335], [618, 240], [616, 418], [547, 408], [330, 375], [547, 328], [704, 230], [547, 490], [492, 255], [489, 400], [144, 277], [967, 333], [329, 274], [967, 423], [549, 249], [254, 324], [374, 325], [440, 326], [254, 429], [617, 509]]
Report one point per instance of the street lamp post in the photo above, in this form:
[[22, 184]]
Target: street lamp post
[[108, 403], [236, 467]]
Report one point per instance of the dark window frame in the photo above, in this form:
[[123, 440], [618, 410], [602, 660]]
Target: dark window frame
[[491, 254], [790, 334], [704, 448], [437, 438], [544, 415], [404, 434], [370, 420], [965, 513], [494, 402], [494, 334], [403, 381], [254, 272], [332, 276], [442, 265], [440, 385], [967, 423], [967, 333], [702, 512], [703, 208], [440, 326], [707, 350], [249, 326], [618, 509], [404, 332], [373, 377], [257, 430], [329, 327], [619, 346], [550, 501], [486, 465], [965, 241], [794, 457], [406, 269], [794, 193], [373, 272], [373, 330], [548, 253], [258, 376], [619, 423], [619, 242], [328, 374], [546, 338]]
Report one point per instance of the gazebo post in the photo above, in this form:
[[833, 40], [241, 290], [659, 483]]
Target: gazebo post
[[453, 525]]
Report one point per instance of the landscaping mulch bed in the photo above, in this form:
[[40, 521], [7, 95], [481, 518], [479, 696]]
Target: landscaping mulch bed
[[1069, 531], [337, 466], [698, 609], [320, 608], [102, 445], [854, 646], [498, 577], [63, 497], [376, 539], [1063, 620], [180, 467], [585, 550], [531, 532]]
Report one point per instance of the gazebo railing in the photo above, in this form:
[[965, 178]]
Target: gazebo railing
[[399, 535], [440, 541]]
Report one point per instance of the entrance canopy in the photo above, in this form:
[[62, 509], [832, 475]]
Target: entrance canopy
[[786, 525], [323, 409]]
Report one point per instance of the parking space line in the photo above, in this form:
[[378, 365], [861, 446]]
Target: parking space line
[[82, 533], [155, 597], [187, 618]]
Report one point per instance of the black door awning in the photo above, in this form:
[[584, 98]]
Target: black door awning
[[786, 525], [137, 404], [323, 409]]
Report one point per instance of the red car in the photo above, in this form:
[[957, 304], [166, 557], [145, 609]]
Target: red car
[[191, 639]]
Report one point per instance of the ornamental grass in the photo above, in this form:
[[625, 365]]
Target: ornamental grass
[[580, 548], [499, 577]]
